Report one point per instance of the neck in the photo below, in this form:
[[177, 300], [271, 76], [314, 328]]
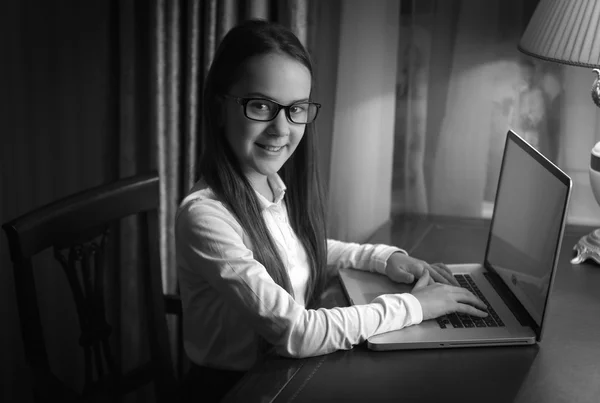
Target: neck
[[261, 185]]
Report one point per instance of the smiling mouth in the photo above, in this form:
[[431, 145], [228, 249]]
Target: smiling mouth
[[269, 148]]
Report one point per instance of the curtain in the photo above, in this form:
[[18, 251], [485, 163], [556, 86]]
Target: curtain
[[462, 84]]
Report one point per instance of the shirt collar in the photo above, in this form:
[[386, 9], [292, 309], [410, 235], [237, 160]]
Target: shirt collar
[[278, 188]]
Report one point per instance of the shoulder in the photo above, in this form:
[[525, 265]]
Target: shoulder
[[201, 207]]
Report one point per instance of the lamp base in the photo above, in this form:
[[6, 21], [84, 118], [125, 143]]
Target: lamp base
[[588, 247]]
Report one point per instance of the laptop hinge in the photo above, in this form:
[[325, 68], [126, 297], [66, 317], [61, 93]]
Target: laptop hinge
[[509, 299]]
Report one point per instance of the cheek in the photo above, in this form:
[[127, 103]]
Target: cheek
[[298, 136], [242, 133]]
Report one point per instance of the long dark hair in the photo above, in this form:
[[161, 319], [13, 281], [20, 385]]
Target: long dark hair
[[221, 171]]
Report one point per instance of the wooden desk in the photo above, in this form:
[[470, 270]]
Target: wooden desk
[[564, 367]]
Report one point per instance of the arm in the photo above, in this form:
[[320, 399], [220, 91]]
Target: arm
[[391, 261], [212, 247], [367, 257]]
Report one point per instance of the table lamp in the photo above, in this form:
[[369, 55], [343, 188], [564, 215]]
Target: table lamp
[[568, 32]]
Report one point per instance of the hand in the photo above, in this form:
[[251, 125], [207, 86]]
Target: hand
[[402, 268], [440, 299]]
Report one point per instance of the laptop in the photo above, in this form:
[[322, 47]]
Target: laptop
[[516, 275]]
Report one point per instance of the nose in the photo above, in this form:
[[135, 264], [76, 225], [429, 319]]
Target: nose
[[280, 125]]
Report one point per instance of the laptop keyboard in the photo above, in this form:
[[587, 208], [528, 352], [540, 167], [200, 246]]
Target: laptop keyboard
[[461, 320]]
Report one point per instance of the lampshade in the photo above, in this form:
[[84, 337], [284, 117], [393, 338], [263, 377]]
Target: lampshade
[[564, 31]]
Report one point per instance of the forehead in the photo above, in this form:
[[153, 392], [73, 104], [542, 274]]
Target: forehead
[[278, 77]]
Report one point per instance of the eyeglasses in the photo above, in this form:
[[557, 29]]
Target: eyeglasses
[[265, 110]]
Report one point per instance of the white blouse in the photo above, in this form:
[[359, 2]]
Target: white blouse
[[230, 301]]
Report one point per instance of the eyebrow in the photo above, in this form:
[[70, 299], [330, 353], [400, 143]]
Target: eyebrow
[[261, 95]]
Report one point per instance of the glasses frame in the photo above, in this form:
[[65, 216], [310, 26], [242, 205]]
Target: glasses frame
[[244, 102]]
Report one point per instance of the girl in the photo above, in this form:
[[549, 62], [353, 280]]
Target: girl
[[252, 252]]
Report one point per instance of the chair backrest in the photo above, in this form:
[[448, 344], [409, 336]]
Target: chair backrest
[[78, 228]]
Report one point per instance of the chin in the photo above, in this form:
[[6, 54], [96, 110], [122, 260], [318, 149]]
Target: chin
[[268, 169], [265, 170]]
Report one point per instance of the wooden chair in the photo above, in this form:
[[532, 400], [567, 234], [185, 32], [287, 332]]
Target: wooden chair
[[78, 228]]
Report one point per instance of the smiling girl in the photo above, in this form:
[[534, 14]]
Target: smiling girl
[[252, 252]]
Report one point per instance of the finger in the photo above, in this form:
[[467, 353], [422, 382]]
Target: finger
[[423, 281], [436, 275], [431, 281], [446, 272], [470, 298], [471, 310], [400, 276]]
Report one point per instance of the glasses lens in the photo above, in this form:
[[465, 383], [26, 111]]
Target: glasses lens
[[260, 109], [304, 112]]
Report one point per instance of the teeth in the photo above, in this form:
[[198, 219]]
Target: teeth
[[273, 148], [269, 148]]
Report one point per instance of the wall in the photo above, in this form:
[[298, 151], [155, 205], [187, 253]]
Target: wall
[[363, 126]]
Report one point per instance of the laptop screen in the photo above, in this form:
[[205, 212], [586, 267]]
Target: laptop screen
[[527, 226]]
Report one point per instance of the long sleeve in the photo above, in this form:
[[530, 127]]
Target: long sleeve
[[367, 257], [224, 289]]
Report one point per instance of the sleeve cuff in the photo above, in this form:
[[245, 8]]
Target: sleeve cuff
[[384, 255], [413, 306]]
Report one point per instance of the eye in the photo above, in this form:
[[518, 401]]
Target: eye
[[260, 106], [298, 108]]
